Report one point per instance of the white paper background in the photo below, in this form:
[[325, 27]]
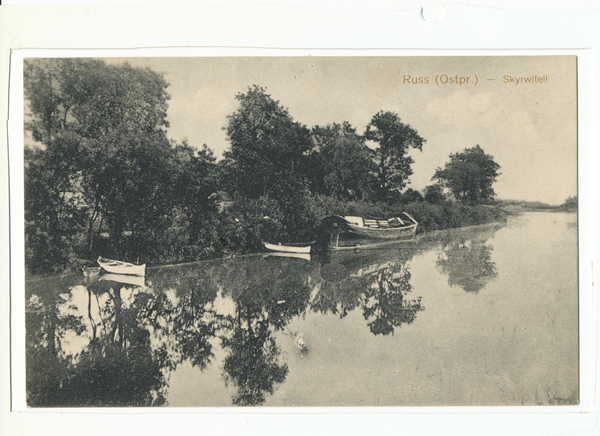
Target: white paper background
[[328, 25]]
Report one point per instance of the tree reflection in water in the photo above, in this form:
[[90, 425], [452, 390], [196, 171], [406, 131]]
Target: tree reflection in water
[[70, 366], [106, 343], [252, 365], [468, 263], [379, 288], [386, 306], [182, 321], [267, 293]]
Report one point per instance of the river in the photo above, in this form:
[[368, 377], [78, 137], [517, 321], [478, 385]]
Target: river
[[477, 316]]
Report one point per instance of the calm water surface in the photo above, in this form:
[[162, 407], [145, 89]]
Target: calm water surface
[[481, 316]]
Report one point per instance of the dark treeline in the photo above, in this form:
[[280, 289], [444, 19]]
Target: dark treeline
[[569, 205], [102, 177]]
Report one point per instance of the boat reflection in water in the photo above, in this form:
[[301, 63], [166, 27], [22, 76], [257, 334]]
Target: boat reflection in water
[[115, 340], [376, 282]]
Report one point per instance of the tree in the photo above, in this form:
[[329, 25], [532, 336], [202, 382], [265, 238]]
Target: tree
[[394, 140], [320, 161], [100, 134], [570, 203], [266, 158], [194, 179], [434, 194], [348, 167], [411, 196], [267, 145], [53, 215], [469, 176], [340, 163]]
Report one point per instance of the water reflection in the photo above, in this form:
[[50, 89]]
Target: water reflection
[[114, 341], [252, 365], [268, 292], [468, 263], [88, 348], [372, 283]]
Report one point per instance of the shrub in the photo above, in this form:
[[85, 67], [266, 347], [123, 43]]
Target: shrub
[[449, 215]]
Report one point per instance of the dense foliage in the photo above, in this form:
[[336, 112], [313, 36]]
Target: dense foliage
[[102, 177]]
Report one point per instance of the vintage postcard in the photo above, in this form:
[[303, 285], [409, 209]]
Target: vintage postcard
[[367, 230]]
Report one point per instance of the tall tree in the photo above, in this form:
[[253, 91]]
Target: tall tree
[[348, 169], [340, 163], [194, 175], [266, 157], [394, 139], [101, 131], [469, 176], [267, 145], [53, 215]]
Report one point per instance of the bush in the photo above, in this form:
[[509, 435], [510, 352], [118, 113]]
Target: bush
[[449, 215], [244, 226], [411, 196], [434, 194]]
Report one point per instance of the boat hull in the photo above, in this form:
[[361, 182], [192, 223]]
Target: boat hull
[[118, 267], [346, 243], [351, 232], [407, 232]]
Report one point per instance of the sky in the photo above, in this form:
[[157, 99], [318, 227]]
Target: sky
[[530, 128]]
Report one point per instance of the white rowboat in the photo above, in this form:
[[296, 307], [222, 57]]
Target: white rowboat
[[287, 248], [119, 267]]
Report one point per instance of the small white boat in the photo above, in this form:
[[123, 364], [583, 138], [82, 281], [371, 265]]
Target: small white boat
[[288, 248], [119, 267]]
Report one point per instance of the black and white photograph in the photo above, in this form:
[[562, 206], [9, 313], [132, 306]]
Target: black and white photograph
[[301, 231]]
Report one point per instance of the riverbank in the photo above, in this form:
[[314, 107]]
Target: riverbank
[[241, 229]]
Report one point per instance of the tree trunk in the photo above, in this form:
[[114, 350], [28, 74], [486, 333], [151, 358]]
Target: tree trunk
[[91, 231]]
